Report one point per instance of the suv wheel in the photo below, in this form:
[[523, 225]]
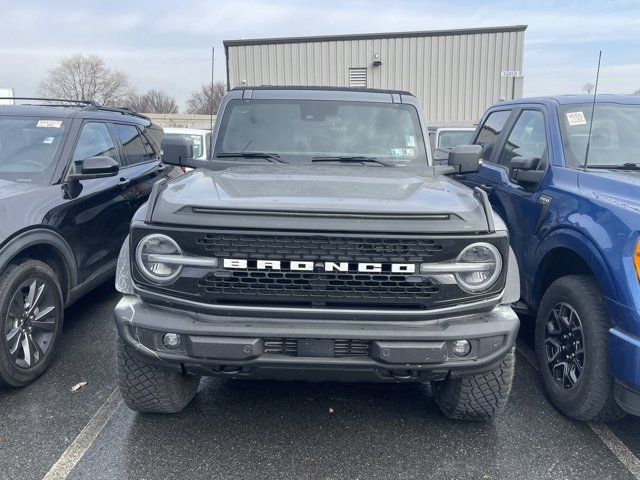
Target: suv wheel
[[31, 313], [477, 397], [572, 346], [149, 389]]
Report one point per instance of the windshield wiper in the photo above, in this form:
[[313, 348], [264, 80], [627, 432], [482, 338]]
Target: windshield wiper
[[273, 157], [354, 159], [624, 166]]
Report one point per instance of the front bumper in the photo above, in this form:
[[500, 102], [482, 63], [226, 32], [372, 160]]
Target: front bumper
[[415, 350], [625, 365]]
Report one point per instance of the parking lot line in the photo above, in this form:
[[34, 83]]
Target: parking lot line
[[74, 452], [613, 443]]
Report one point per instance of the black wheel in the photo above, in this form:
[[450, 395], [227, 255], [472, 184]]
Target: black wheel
[[31, 312], [572, 346], [477, 397], [149, 389]]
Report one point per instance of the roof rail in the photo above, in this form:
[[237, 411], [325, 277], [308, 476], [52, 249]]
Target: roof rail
[[91, 103], [122, 110]]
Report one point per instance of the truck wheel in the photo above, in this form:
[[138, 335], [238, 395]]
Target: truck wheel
[[477, 397], [31, 313], [149, 389], [572, 346]]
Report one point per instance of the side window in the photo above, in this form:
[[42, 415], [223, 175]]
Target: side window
[[94, 141], [133, 145], [490, 131], [527, 138]]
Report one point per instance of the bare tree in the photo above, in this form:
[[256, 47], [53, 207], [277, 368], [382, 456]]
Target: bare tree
[[588, 88], [154, 101], [81, 77], [206, 101]]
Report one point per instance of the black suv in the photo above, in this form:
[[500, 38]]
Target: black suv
[[72, 174], [318, 243]]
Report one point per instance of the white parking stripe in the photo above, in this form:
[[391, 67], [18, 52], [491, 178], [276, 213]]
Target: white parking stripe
[[74, 452], [613, 443]]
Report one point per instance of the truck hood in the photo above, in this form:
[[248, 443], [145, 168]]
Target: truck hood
[[621, 187], [320, 197]]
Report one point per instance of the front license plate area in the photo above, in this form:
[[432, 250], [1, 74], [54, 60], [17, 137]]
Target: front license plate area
[[315, 347]]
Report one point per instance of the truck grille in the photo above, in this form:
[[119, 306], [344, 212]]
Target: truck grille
[[316, 287], [341, 347]]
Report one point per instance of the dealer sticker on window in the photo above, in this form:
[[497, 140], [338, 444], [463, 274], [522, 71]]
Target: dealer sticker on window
[[576, 118], [49, 124]]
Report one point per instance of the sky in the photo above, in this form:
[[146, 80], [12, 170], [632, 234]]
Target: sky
[[166, 45]]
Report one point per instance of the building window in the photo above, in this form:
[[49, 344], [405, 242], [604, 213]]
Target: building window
[[358, 77]]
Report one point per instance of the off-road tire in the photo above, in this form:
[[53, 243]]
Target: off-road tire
[[149, 389], [11, 374], [477, 397], [592, 398]]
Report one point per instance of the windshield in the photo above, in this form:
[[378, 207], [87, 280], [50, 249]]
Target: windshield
[[453, 138], [614, 136], [196, 140], [28, 146], [306, 130]]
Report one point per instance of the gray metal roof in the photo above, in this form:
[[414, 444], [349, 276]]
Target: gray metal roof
[[366, 36]]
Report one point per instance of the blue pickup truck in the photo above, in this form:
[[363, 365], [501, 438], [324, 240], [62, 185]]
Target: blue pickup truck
[[569, 193]]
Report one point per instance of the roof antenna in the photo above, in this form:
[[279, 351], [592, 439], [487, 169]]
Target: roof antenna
[[593, 108]]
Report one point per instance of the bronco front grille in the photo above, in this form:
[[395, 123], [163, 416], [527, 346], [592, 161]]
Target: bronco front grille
[[341, 347], [316, 287]]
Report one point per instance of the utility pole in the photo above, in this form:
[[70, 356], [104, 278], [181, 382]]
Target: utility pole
[[211, 96]]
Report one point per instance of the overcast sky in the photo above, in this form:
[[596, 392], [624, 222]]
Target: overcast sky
[[166, 45]]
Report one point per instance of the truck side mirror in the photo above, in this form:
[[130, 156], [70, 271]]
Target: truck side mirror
[[175, 151], [465, 158], [524, 170]]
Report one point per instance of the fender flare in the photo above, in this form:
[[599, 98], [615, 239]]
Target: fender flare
[[584, 247], [41, 236]]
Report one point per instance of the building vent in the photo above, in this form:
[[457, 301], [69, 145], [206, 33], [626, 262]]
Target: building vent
[[358, 77]]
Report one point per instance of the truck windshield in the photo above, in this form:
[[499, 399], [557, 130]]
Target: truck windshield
[[614, 143], [304, 130], [28, 146]]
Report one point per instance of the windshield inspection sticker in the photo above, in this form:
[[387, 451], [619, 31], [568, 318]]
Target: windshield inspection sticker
[[49, 124], [576, 118], [48, 140], [410, 140]]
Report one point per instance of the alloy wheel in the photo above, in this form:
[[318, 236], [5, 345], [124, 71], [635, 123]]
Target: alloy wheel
[[564, 346], [30, 322]]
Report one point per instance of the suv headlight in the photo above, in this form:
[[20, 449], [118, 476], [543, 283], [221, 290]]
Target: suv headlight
[[480, 265], [150, 251]]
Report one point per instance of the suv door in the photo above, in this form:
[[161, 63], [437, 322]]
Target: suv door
[[141, 165], [520, 206], [95, 222]]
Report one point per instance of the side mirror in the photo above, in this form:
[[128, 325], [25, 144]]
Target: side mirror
[[96, 167], [465, 158], [176, 151], [523, 170]]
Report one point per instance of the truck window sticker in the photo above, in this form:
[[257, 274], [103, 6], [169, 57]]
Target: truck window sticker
[[576, 118]]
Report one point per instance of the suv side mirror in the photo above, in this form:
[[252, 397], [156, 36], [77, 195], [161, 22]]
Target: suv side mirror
[[524, 170], [465, 158], [176, 151], [96, 167]]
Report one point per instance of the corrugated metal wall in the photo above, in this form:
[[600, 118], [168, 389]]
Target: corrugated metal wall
[[455, 75]]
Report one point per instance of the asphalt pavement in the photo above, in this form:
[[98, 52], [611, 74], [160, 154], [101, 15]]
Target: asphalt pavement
[[264, 429]]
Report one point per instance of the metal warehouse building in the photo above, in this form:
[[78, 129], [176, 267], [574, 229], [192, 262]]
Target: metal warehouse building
[[455, 73]]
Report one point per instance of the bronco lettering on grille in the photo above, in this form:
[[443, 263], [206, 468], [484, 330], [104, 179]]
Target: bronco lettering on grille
[[307, 266]]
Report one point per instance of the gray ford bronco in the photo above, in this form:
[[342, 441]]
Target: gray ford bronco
[[318, 243]]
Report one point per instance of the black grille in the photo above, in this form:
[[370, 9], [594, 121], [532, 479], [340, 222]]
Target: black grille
[[341, 347], [318, 288]]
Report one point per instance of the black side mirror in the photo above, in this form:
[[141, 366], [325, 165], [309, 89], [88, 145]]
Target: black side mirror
[[96, 167], [176, 151], [465, 158], [523, 170]]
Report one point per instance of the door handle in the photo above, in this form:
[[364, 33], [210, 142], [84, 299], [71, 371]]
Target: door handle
[[486, 188], [124, 182]]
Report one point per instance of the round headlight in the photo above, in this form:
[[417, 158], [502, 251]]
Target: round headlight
[[150, 267], [485, 265]]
